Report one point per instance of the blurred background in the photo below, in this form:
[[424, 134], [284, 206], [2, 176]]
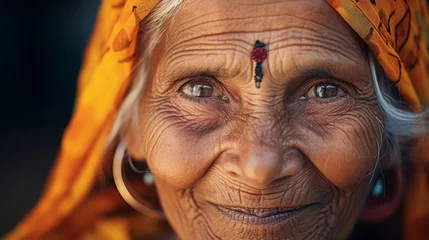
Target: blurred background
[[42, 43]]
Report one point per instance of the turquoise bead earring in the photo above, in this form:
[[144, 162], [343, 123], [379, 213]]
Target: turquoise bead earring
[[377, 188]]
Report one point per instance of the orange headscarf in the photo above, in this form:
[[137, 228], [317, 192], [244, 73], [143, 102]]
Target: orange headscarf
[[395, 32]]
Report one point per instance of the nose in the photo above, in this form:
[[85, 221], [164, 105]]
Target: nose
[[261, 164]]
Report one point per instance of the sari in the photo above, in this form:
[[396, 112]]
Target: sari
[[394, 31]]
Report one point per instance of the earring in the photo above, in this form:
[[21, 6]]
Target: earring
[[138, 203], [378, 188], [147, 176], [385, 196]]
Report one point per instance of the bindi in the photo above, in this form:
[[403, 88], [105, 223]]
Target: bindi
[[259, 54]]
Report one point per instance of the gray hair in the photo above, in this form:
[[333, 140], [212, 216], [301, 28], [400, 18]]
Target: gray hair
[[399, 121], [399, 125], [150, 32]]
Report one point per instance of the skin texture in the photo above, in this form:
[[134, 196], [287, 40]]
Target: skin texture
[[260, 149]]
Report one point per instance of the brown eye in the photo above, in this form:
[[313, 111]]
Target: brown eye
[[198, 89], [323, 91]]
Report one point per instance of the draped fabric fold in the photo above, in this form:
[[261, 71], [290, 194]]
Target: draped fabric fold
[[104, 78], [394, 30]]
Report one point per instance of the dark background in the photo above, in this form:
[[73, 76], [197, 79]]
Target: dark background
[[41, 46]]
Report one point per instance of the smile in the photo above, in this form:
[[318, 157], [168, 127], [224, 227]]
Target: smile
[[262, 216]]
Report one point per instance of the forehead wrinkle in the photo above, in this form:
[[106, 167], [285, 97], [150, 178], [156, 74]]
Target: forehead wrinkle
[[314, 49], [287, 61], [250, 26], [290, 71], [202, 28], [190, 33], [245, 5], [254, 22], [190, 63], [329, 50], [319, 27], [344, 44], [210, 42], [224, 11]]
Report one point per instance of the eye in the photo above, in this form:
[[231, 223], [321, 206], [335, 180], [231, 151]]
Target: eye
[[198, 89], [323, 90]]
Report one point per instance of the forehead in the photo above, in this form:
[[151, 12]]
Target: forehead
[[223, 32], [271, 20]]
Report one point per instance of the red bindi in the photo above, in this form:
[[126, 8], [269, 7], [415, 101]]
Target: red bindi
[[259, 54]]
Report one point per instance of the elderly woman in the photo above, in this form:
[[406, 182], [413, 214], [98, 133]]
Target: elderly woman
[[246, 120]]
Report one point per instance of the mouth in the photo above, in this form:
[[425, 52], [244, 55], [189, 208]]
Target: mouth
[[262, 216]]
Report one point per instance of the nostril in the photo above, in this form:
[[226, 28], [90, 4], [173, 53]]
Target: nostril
[[229, 163], [293, 161], [232, 174], [279, 180]]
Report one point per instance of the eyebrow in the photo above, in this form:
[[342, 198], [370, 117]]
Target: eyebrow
[[189, 72], [295, 75], [178, 73], [327, 71]]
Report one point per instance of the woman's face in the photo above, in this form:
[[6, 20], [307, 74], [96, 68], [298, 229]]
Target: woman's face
[[290, 159]]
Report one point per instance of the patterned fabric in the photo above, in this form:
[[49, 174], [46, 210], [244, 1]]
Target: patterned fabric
[[394, 30]]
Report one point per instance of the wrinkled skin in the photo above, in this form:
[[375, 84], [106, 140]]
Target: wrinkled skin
[[280, 146]]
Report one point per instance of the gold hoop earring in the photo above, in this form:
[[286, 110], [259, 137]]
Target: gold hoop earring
[[139, 204]]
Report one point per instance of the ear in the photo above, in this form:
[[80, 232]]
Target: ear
[[379, 209]]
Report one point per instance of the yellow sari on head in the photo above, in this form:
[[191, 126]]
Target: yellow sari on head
[[394, 30]]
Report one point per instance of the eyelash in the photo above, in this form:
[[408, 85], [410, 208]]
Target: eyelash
[[196, 99], [342, 92], [206, 100], [200, 100]]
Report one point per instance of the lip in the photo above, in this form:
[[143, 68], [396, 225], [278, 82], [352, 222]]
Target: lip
[[262, 216]]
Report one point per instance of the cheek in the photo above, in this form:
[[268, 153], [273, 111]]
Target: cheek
[[345, 156], [180, 138], [175, 157]]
